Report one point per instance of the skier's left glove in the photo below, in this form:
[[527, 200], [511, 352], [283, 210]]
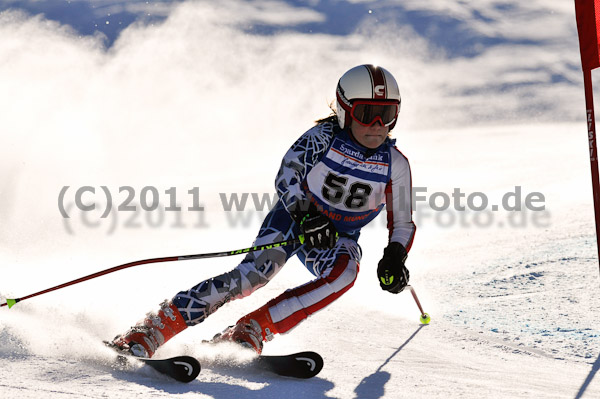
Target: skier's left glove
[[391, 271]]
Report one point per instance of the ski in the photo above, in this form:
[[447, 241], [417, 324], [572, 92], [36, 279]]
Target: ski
[[180, 368], [297, 365], [186, 368]]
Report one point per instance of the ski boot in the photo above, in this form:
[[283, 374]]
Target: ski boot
[[143, 339], [250, 331]]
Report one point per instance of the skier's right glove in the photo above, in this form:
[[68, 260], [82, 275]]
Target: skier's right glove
[[317, 229], [391, 271]]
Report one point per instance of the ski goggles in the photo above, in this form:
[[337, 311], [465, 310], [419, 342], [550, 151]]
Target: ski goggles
[[367, 112]]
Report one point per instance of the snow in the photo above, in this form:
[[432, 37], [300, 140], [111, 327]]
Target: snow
[[198, 101]]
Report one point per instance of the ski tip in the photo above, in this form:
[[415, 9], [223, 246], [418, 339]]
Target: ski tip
[[11, 302], [298, 365]]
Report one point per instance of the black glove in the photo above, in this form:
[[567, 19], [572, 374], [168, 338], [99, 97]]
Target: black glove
[[391, 271], [318, 230]]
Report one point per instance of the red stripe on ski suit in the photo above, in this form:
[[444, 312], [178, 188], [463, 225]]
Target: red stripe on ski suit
[[291, 321], [390, 208]]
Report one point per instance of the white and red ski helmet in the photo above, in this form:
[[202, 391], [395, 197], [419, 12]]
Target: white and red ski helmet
[[364, 82]]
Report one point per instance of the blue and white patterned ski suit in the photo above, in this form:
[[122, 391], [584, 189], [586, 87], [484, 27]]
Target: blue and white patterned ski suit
[[352, 184]]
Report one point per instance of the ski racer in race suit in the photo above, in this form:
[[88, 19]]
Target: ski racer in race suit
[[335, 179]]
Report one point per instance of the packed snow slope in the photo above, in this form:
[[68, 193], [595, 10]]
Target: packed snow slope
[[197, 106]]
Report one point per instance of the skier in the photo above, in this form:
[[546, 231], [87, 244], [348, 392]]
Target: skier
[[334, 180]]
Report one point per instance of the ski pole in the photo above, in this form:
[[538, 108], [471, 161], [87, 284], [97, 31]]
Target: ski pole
[[11, 302], [424, 316]]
